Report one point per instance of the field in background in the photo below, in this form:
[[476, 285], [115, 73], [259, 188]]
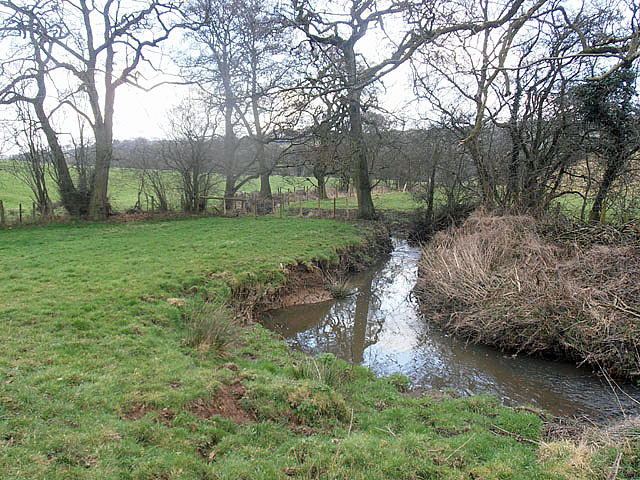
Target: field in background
[[401, 201], [124, 185]]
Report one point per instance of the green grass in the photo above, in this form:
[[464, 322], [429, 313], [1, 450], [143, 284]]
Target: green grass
[[123, 190], [399, 201], [124, 185], [104, 372]]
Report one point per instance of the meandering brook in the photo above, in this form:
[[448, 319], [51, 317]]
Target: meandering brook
[[380, 326]]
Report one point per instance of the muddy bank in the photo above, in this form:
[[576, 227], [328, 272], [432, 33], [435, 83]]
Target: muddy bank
[[502, 281], [306, 283]]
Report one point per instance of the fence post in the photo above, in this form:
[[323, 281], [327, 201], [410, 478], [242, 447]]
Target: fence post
[[334, 207], [346, 206], [34, 211], [2, 218], [20, 210]]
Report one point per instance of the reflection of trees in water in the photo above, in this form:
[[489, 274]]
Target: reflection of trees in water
[[348, 328]]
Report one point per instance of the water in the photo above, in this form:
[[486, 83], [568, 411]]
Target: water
[[380, 326]]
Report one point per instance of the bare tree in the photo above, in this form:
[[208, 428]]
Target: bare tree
[[32, 165], [102, 47], [509, 96], [216, 31], [608, 107], [264, 73], [190, 152], [329, 28]]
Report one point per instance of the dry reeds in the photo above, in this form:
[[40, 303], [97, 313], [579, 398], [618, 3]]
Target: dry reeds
[[497, 280]]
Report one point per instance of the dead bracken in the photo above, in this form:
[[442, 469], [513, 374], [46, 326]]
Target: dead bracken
[[498, 280]]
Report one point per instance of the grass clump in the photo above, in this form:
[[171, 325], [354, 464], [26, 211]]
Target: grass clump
[[338, 287], [497, 280], [325, 368], [208, 327]]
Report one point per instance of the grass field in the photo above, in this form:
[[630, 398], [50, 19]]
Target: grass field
[[383, 201], [124, 185], [112, 367]]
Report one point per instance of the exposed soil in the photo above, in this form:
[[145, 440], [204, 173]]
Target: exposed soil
[[226, 404], [304, 296], [306, 283], [136, 412]]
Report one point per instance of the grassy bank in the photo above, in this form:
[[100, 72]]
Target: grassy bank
[[120, 360]]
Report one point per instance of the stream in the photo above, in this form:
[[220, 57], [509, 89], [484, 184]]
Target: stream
[[380, 326]]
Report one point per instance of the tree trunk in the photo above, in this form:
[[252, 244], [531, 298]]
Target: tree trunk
[[265, 184], [322, 186], [513, 182], [366, 209], [229, 135], [431, 192], [614, 166], [99, 205], [486, 185], [73, 201]]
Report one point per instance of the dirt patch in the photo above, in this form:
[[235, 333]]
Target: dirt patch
[[136, 412], [226, 404], [166, 416], [309, 283], [304, 296]]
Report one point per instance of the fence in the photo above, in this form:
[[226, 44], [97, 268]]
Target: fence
[[301, 202]]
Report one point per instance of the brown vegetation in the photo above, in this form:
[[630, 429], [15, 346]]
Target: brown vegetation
[[499, 280]]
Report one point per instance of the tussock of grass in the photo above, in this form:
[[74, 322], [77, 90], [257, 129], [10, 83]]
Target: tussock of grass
[[337, 285], [495, 280], [208, 327]]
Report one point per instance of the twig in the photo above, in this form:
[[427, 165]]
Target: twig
[[619, 388], [606, 377], [622, 309], [388, 430], [350, 422], [460, 447], [513, 435], [540, 413], [614, 475]]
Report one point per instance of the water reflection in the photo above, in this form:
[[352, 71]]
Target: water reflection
[[379, 326]]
